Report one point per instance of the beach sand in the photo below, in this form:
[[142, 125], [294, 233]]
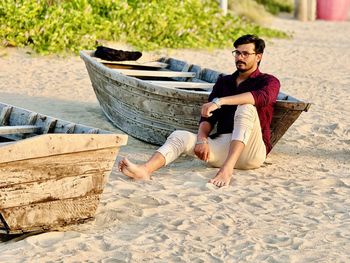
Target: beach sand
[[294, 209]]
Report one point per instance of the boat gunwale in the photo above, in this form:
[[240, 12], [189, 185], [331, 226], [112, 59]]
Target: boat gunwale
[[16, 111]]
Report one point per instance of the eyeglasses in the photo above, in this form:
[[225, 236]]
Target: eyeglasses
[[244, 54]]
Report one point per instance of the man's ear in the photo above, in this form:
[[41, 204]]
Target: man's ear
[[259, 56]]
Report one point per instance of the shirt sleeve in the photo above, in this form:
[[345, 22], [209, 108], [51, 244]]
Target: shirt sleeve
[[268, 92], [214, 94]]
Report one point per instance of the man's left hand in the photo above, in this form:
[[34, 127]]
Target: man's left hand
[[208, 108]]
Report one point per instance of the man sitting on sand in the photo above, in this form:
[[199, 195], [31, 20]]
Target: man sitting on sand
[[241, 106]]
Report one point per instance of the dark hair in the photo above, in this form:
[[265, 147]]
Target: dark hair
[[247, 39]]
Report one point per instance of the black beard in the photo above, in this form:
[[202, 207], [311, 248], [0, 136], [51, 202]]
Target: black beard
[[242, 70]]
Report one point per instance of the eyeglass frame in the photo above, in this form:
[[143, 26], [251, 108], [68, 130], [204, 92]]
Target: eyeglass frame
[[244, 54]]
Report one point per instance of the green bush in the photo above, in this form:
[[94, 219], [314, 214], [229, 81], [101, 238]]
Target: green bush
[[53, 26]]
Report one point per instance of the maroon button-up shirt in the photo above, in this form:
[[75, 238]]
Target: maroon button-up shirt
[[264, 88]]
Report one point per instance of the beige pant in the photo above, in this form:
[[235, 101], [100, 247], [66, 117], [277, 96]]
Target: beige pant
[[246, 129]]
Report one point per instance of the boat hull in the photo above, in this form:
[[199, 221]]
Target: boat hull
[[55, 179], [143, 110]]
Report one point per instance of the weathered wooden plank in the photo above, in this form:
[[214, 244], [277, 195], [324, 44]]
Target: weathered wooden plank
[[197, 69], [292, 105], [21, 116], [131, 63], [77, 185], [32, 118], [99, 162], [279, 127], [70, 128], [18, 129], [50, 126], [49, 215], [93, 131], [5, 115], [186, 68], [175, 64], [178, 65], [3, 225], [209, 75], [181, 84], [31, 121], [152, 73], [53, 144]]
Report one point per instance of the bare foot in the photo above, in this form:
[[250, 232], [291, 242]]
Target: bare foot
[[222, 178], [138, 172]]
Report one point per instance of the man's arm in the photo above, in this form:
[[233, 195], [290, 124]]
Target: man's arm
[[239, 99], [243, 98], [268, 93], [201, 148]]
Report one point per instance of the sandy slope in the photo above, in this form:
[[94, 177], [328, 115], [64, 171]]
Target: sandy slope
[[295, 209]]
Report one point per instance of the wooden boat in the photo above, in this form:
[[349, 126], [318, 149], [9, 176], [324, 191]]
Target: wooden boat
[[52, 172], [151, 100]]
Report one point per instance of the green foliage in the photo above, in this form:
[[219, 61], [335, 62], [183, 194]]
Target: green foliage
[[277, 6], [51, 26]]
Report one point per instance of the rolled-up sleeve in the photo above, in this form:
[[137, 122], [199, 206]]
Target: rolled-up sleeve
[[268, 92]]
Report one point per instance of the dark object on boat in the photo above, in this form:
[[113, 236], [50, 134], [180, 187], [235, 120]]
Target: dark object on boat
[[151, 103], [111, 54], [52, 172]]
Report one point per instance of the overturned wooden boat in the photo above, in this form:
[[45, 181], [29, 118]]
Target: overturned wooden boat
[[151, 100], [52, 172]]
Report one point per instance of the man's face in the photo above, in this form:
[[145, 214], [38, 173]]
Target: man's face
[[246, 59]]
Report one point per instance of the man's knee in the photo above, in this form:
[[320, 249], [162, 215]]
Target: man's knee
[[246, 111], [181, 139], [244, 122], [177, 143], [183, 135]]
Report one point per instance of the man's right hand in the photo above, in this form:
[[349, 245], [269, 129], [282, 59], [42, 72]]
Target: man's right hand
[[202, 151]]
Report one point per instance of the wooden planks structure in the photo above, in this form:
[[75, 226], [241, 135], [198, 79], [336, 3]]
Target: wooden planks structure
[[182, 84], [18, 129], [155, 73], [286, 112], [52, 172], [55, 179]]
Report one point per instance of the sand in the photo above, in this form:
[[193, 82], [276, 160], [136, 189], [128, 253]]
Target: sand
[[294, 209]]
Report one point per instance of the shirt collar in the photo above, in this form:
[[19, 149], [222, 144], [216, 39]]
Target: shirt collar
[[255, 74]]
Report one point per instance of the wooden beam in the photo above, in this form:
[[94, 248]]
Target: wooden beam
[[150, 64], [48, 215], [181, 84], [93, 131], [154, 73], [50, 126], [51, 168], [32, 118], [70, 128], [18, 129], [5, 115], [54, 144]]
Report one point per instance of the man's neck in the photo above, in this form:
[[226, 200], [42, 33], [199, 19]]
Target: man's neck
[[244, 75]]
